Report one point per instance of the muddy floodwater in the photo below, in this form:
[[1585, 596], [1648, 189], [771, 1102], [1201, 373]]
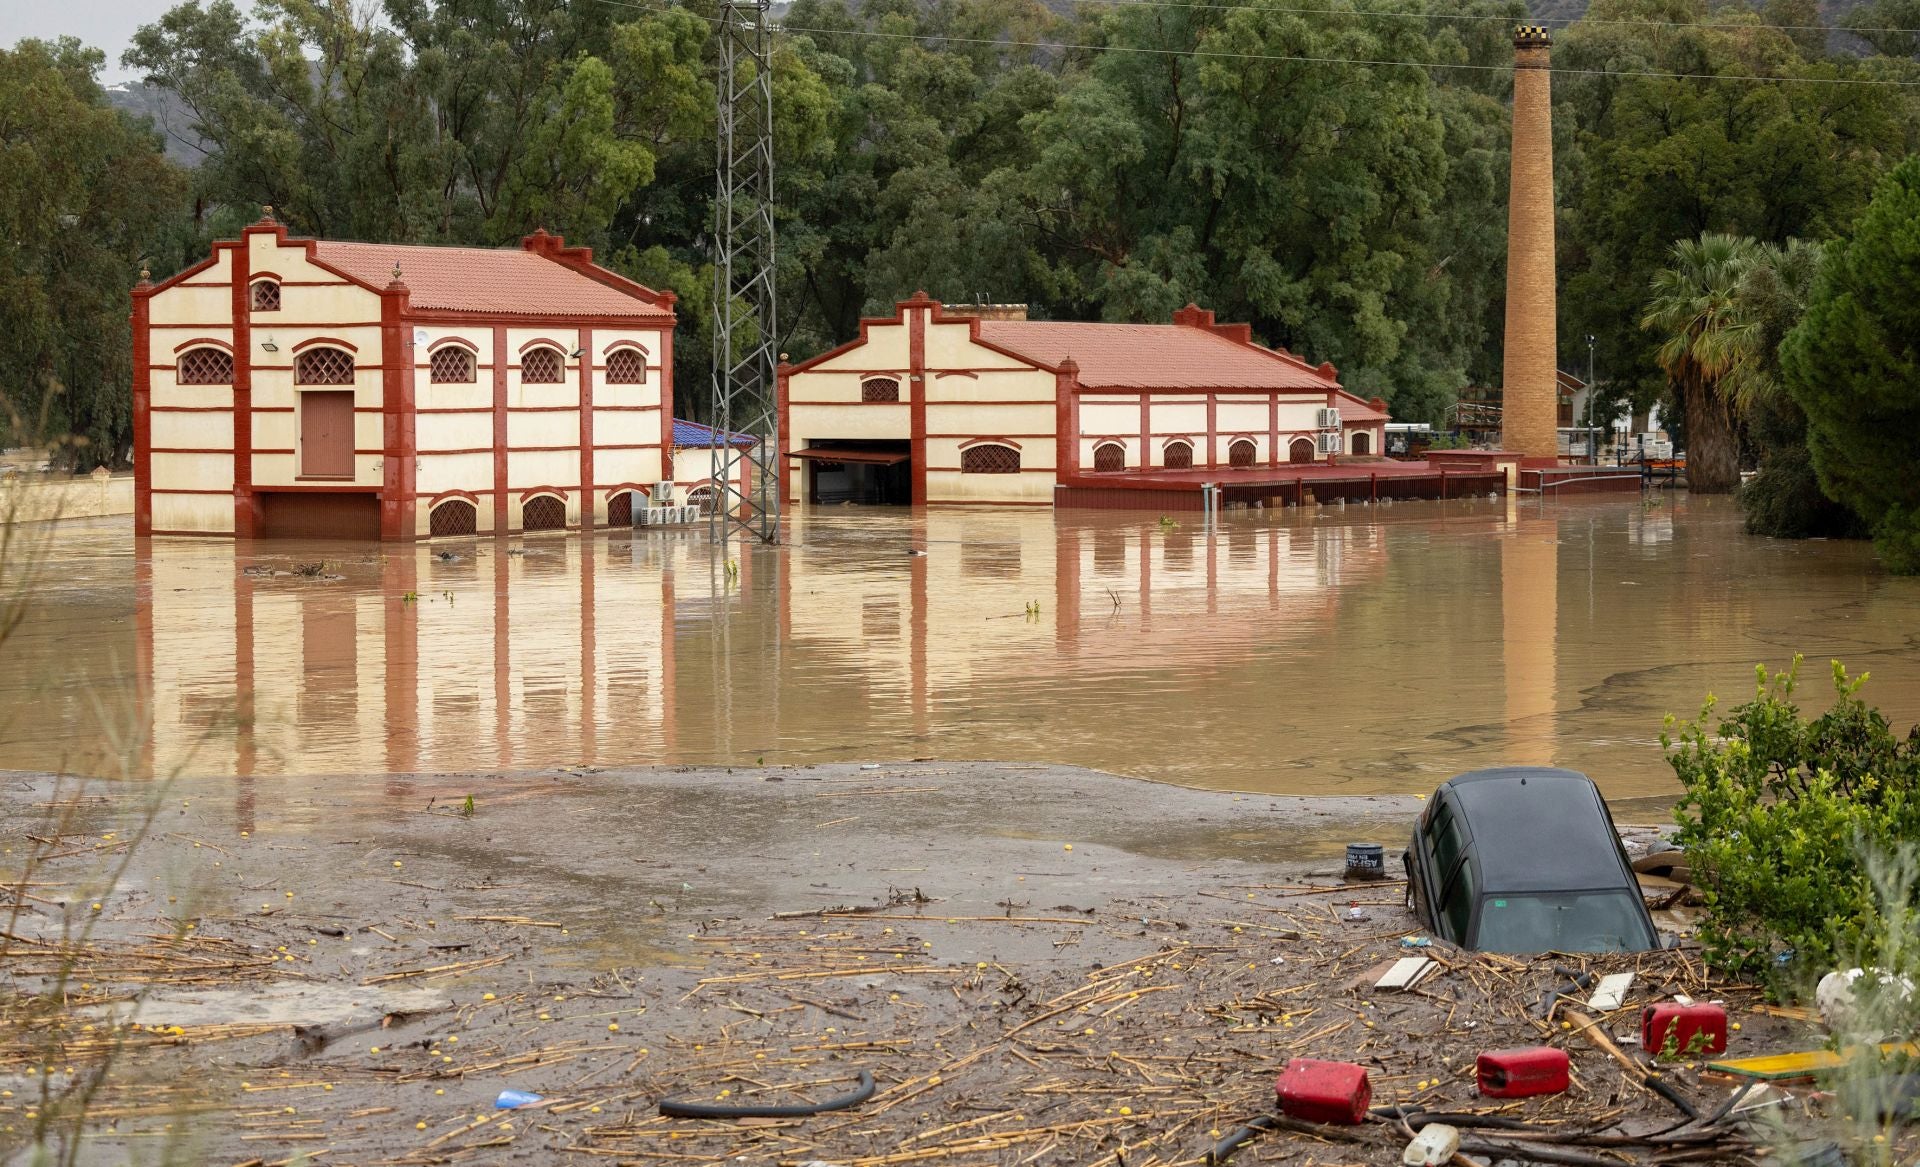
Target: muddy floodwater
[[1329, 651]]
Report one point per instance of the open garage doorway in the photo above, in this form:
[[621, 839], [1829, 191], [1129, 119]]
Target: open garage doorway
[[870, 472]]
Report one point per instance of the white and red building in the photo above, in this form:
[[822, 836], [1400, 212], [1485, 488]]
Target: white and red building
[[289, 386], [938, 405]]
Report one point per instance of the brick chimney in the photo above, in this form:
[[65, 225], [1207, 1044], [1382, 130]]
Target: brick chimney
[[1530, 395]]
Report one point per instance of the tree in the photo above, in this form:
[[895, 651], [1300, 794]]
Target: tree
[[87, 195], [1854, 366], [1706, 343]]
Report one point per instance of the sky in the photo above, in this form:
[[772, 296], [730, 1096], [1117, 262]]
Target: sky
[[104, 24]]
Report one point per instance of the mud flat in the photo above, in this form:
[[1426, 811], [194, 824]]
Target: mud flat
[[1035, 964]]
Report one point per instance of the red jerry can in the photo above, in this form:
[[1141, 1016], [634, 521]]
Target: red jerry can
[[1336, 1092], [1672, 1029], [1523, 1072]]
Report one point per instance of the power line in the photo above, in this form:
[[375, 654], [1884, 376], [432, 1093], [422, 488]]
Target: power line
[[1066, 46]]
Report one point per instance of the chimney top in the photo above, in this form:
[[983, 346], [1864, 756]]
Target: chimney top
[[1528, 36]]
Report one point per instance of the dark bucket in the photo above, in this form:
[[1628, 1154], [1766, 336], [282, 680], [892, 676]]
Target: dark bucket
[[1366, 861]]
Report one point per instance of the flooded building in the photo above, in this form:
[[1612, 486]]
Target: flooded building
[[289, 386], [951, 405]]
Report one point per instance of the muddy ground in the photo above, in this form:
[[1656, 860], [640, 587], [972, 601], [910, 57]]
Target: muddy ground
[[1036, 964]]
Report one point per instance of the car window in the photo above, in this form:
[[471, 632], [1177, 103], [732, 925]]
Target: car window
[[1457, 905], [1448, 841], [1565, 922]]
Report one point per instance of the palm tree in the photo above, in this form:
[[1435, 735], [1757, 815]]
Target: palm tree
[[1712, 348]]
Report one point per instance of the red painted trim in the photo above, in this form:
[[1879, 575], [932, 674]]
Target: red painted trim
[[1066, 452], [666, 405], [1146, 427], [621, 446], [449, 495], [917, 381], [194, 408], [1003, 439], [616, 346], [246, 511], [544, 408], [143, 442], [1213, 426], [649, 322], [200, 450], [540, 449], [559, 492], [330, 342], [544, 342], [587, 508], [874, 405], [783, 440], [193, 490], [501, 525], [259, 276], [599, 408], [344, 488], [400, 438], [197, 342], [968, 373], [455, 408], [645, 491], [1273, 431], [455, 341], [432, 450]]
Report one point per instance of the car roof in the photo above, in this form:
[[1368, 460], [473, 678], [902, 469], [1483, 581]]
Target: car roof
[[1536, 828]]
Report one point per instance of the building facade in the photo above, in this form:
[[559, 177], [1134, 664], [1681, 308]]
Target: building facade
[[939, 405], [289, 386]]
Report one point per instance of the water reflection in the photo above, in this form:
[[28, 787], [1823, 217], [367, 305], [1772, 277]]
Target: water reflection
[[1340, 650]]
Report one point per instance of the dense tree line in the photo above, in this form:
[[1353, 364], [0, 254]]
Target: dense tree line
[[1334, 173]]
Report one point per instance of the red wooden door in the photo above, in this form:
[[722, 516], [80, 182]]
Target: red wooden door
[[326, 434]]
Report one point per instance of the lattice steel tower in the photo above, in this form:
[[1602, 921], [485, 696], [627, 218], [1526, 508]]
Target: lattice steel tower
[[744, 329]]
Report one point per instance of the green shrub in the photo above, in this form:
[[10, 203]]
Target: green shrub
[[1777, 813]]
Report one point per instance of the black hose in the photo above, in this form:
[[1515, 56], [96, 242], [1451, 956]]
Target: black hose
[[1225, 1148], [862, 1091]]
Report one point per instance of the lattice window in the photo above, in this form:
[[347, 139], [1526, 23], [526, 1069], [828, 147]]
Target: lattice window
[[880, 389], [543, 513], [620, 509], [1109, 456], [266, 296], [1301, 450], [452, 366], [206, 366], [990, 460], [323, 366], [702, 497], [540, 366], [1362, 443], [1178, 456], [626, 366], [1240, 454], [454, 517]]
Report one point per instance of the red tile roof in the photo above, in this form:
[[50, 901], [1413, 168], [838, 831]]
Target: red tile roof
[[505, 281], [1154, 356]]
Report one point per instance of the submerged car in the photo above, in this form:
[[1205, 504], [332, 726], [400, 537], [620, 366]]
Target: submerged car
[[1525, 859]]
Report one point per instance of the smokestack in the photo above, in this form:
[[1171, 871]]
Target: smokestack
[[1530, 400]]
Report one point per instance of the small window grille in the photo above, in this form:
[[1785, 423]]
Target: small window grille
[[1240, 454], [543, 513], [1109, 457], [990, 460], [1300, 450], [266, 296], [702, 497], [626, 366], [540, 366], [452, 366], [206, 366], [620, 509], [880, 389], [323, 366], [1178, 456], [1362, 443], [454, 517]]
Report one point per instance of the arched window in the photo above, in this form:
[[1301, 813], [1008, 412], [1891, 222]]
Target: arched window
[[266, 296], [456, 516], [626, 366], [1241, 453], [1109, 456], [880, 389], [1300, 450], [543, 513], [1178, 456], [541, 366], [620, 509], [206, 366], [989, 459], [323, 366], [702, 497], [1363, 442], [452, 365]]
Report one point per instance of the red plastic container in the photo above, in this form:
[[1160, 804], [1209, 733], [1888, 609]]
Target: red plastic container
[[1683, 1030], [1335, 1092], [1523, 1072]]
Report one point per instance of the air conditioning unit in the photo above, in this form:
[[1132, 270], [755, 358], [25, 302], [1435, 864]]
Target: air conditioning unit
[[1328, 443], [662, 494], [1327, 418]]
